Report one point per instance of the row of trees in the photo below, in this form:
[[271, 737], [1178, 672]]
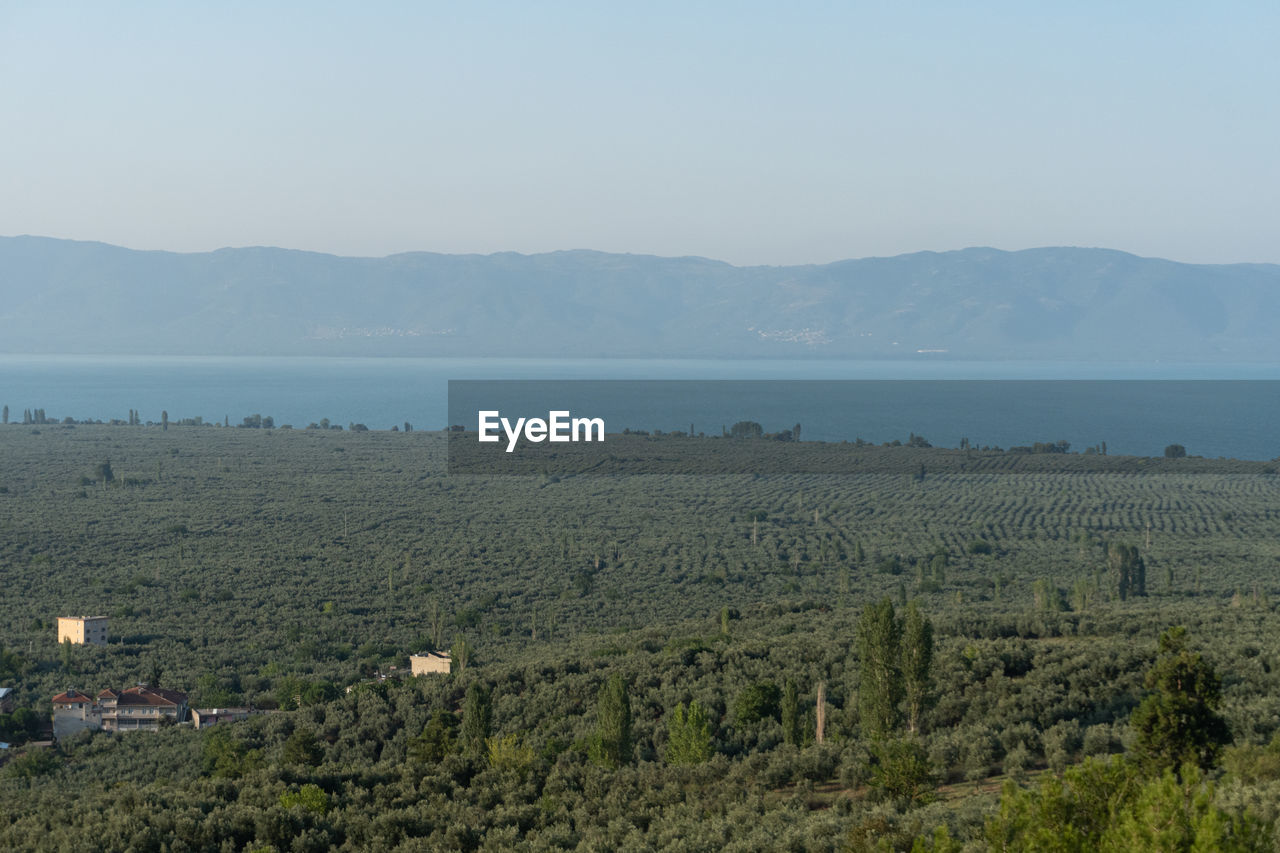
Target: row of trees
[[895, 657]]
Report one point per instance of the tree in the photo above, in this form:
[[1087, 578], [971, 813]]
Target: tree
[[688, 735], [103, 472], [917, 659], [746, 429], [1104, 805], [914, 440], [66, 654], [1131, 571], [435, 623], [310, 797], [902, 771], [880, 685], [756, 702], [6, 413], [11, 665], [791, 732], [1178, 723], [437, 738], [611, 746], [302, 748], [460, 654], [164, 419], [508, 753], [1175, 451], [477, 719]]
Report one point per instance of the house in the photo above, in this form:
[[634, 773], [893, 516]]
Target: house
[[431, 662], [138, 708], [73, 712], [6, 700], [82, 630], [205, 717]]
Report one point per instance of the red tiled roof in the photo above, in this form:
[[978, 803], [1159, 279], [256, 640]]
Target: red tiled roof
[[151, 696], [72, 696], [109, 694]]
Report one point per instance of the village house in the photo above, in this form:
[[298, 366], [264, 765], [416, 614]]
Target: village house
[[73, 712], [140, 708], [83, 630], [431, 662]]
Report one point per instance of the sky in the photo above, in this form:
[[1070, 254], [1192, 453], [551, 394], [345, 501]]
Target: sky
[[755, 133]]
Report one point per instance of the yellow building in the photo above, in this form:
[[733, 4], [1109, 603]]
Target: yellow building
[[430, 662], [81, 630]]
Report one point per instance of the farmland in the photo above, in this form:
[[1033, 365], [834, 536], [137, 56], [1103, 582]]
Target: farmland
[[279, 567]]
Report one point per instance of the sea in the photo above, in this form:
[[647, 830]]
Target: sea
[[1213, 410]]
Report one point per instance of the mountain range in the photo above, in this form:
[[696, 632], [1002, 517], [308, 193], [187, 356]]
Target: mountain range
[[62, 296]]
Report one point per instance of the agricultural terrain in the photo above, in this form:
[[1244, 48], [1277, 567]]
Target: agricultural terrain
[[641, 661]]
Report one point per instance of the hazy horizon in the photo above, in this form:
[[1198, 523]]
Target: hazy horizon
[[589, 249], [724, 131]]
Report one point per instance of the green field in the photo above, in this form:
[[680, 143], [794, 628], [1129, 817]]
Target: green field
[[277, 567]]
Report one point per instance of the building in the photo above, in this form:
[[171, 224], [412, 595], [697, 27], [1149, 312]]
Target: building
[[431, 662], [6, 700], [138, 708], [73, 712], [205, 717], [82, 630]]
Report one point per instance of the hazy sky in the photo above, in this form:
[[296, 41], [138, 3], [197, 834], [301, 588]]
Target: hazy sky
[[754, 133]]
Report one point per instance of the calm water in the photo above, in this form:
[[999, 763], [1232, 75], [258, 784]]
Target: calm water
[[1211, 417]]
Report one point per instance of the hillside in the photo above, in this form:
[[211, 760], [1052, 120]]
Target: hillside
[[1052, 303]]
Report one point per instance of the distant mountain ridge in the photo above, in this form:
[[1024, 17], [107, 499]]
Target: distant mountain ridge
[[62, 296]]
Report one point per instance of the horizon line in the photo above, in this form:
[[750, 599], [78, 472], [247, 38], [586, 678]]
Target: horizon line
[[580, 250]]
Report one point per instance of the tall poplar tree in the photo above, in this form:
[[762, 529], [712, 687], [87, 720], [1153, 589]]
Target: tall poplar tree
[[688, 735], [477, 718], [917, 659], [879, 650], [612, 745], [1131, 571], [791, 732]]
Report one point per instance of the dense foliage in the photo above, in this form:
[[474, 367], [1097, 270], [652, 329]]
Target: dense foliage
[[647, 658]]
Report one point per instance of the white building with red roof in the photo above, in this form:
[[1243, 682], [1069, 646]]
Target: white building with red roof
[[140, 708]]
